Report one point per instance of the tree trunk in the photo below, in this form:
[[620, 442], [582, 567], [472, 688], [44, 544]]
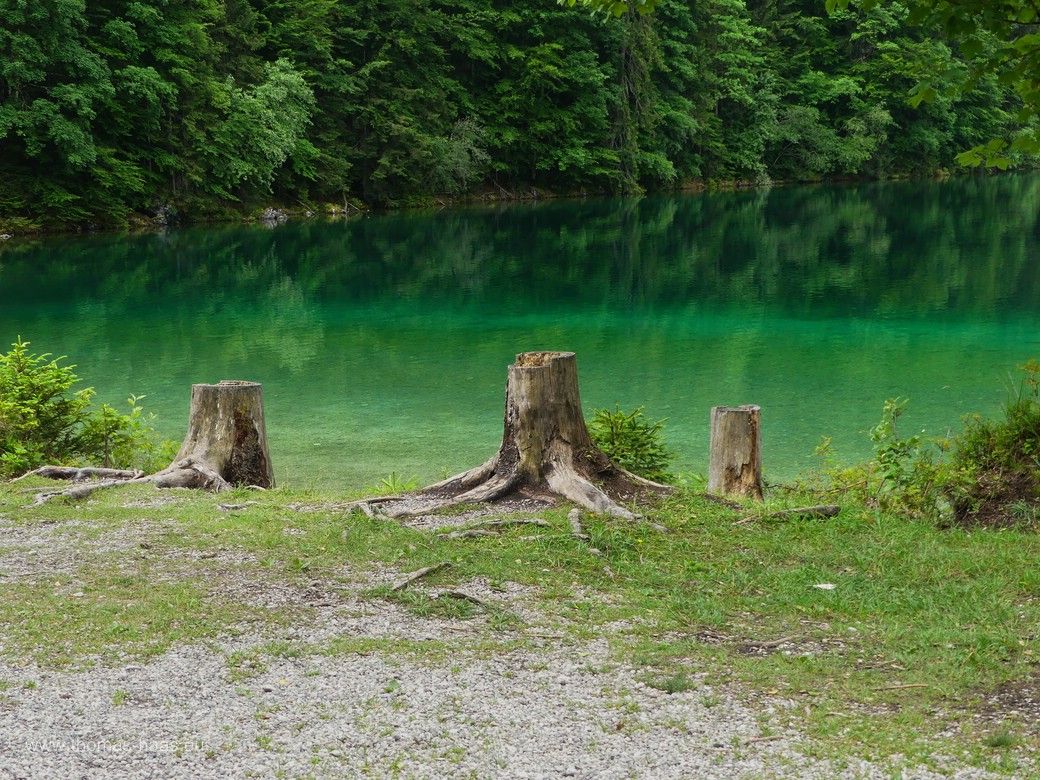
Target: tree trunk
[[735, 461], [227, 438], [546, 450]]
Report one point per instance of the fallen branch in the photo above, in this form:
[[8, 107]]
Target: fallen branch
[[461, 596], [902, 687], [816, 512], [418, 575], [770, 738]]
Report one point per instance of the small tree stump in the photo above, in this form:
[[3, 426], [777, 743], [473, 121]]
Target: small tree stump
[[226, 445], [546, 450], [227, 434], [735, 459]]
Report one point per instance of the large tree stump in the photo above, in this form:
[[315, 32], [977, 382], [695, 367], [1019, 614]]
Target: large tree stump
[[735, 459], [226, 445], [226, 436], [546, 450]]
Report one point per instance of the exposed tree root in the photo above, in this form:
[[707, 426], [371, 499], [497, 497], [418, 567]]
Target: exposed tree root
[[577, 529], [546, 453], [75, 474], [418, 575], [182, 474], [226, 444]]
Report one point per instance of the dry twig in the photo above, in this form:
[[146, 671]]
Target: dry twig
[[418, 575]]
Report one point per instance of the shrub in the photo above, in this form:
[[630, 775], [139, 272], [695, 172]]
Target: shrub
[[117, 440], [40, 418], [996, 463], [989, 474], [632, 442], [43, 420], [906, 474]]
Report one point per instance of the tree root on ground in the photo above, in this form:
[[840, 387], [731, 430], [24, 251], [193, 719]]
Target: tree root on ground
[[185, 473], [546, 453]]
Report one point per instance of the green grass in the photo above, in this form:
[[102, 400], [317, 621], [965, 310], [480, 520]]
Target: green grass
[[109, 615], [921, 622], [675, 683]]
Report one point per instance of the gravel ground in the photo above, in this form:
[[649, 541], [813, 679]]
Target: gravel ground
[[559, 707]]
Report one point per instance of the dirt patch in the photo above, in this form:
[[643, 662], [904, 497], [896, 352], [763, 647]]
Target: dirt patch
[[1018, 699], [1001, 500], [809, 641]]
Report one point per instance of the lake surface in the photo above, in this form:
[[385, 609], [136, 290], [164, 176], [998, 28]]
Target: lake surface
[[382, 342]]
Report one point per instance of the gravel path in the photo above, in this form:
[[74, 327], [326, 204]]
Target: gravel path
[[473, 706]]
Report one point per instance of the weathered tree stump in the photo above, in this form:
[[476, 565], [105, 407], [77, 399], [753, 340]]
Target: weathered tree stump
[[226, 436], [735, 459], [226, 445], [546, 451]]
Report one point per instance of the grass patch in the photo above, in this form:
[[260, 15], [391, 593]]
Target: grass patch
[[1001, 739], [675, 683], [919, 624], [108, 615]]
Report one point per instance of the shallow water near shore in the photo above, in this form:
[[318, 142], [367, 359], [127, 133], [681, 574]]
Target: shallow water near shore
[[382, 342]]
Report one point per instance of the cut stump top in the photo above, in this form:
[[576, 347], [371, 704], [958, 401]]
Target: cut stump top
[[540, 359]]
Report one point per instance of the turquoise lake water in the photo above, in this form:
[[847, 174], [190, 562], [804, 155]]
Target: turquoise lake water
[[382, 342]]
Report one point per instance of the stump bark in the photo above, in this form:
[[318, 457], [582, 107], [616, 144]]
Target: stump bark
[[226, 435], [226, 445], [735, 460], [546, 450]]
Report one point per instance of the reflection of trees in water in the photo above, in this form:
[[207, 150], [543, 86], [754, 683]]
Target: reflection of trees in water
[[967, 246]]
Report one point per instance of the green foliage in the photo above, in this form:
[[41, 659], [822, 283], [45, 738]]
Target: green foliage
[[632, 442], [999, 43], [265, 126], [906, 474], [997, 462], [41, 419], [989, 474], [44, 421], [114, 439], [675, 683], [394, 483], [132, 106]]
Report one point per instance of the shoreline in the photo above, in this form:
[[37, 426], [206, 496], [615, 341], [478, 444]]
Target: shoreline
[[273, 213]]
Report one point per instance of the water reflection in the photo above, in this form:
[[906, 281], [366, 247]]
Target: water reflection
[[900, 249], [382, 340]]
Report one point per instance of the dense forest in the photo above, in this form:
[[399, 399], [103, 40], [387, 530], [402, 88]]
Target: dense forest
[[116, 110]]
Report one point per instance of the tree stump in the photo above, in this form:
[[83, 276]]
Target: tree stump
[[735, 460], [226, 436], [546, 450], [226, 445]]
